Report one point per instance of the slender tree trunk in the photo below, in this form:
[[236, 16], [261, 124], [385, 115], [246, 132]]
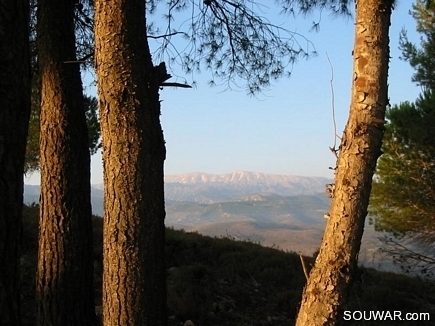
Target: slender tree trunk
[[14, 120], [65, 265], [330, 279], [134, 291]]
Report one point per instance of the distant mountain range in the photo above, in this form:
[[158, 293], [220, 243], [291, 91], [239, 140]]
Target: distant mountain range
[[284, 211], [210, 188], [213, 188]]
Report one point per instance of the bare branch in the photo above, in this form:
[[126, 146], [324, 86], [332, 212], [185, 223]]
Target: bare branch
[[233, 42]]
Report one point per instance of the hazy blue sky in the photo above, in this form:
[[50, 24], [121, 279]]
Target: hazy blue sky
[[285, 130]]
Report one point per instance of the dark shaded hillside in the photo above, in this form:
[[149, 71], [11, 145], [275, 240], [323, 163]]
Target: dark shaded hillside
[[292, 223], [219, 281]]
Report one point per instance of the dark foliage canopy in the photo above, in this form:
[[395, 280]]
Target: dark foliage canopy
[[403, 196]]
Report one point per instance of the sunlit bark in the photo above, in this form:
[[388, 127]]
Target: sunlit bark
[[326, 291], [134, 273], [65, 265]]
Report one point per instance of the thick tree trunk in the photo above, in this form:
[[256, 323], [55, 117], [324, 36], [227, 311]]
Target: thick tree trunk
[[330, 279], [134, 291], [65, 265], [14, 120]]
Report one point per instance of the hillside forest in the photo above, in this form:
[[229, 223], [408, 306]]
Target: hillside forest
[[127, 270]]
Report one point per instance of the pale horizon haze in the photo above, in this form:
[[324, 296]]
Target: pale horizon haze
[[288, 128]]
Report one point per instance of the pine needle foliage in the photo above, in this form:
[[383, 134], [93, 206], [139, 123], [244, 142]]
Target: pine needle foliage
[[232, 39], [403, 195]]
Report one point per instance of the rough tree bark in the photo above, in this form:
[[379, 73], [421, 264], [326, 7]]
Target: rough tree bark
[[14, 120], [134, 291], [65, 265], [327, 289]]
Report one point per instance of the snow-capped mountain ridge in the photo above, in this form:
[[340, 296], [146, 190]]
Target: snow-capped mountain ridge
[[240, 177], [212, 188], [207, 188]]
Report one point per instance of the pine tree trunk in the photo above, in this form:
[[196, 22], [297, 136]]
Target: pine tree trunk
[[14, 120], [330, 279], [65, 265], [134, 291]]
